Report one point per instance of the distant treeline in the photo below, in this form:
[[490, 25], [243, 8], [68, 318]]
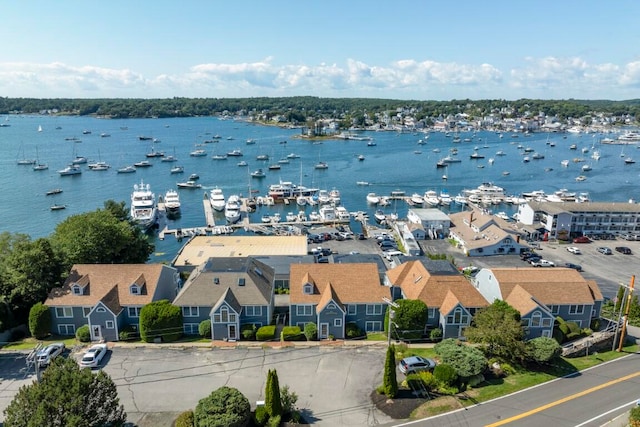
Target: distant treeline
[[301, 109]]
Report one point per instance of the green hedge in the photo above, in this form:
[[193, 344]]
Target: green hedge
[[248, 331], [266, 333], [83, 334], [292, 333]]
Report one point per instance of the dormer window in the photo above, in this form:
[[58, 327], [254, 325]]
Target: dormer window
[[134, 289], [307, 289], [240, 281], [76, 289]]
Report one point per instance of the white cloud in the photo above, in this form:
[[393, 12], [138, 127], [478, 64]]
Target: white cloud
[[548, 77]]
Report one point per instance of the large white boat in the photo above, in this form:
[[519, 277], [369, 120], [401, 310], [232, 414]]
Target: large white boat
[[431, 198], [373, 199], [172, 202], [232, 209], [487, 190], [216, 198], [629, 137], [288, 190], [143, 206], [445, 198], [70, 170]]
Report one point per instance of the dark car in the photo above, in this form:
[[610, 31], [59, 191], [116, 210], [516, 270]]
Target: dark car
[[623, 250], [574, 266]]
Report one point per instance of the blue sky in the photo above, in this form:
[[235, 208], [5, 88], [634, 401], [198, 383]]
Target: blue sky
[[424, 50]]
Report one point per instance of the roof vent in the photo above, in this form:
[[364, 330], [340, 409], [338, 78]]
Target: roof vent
[[216, 280]]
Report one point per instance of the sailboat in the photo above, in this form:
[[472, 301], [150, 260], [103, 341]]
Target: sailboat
[[22, 160], [37, 166]]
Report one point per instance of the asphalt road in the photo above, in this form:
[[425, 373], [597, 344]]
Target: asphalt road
[[588, 399], [333, 384]]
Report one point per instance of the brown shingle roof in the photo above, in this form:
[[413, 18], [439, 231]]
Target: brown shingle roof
[[549, 286], [521, 300], [417, 283], [351, 283], [328, 295], [101, 280]]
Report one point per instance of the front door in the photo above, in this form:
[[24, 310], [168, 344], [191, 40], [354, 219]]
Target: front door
[[324, 330], [96, 333], [232, 332]]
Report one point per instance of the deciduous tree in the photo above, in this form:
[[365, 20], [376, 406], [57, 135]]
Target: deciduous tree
[[66, 396]]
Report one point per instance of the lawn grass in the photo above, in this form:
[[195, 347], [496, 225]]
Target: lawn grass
[[31, 343], [493, 388]]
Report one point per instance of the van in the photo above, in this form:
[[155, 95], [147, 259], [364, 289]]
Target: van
[[390, 254]]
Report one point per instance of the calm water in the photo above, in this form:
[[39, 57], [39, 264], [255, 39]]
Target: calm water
[[396, 162]]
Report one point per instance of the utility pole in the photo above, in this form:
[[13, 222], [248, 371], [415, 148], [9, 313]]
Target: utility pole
[[626, 314], [391, 305]]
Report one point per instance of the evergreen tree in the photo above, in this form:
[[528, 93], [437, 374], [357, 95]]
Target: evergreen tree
[[389, 381], [272, 401], [39, 321], [619, 299]]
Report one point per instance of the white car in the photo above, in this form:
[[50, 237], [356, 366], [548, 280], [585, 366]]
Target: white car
[[46, 355], [92, 357], [574, 250], [543, 263]]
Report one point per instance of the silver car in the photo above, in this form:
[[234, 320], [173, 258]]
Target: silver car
[[413, 364], [46, 355]]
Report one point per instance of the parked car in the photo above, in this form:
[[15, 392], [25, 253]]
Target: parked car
[[47, 354], [574, 250], [623, 250], [582, 239], [413, 364], [577, 267], [543, 263], [533, 259], [93, 356], [604, 250]]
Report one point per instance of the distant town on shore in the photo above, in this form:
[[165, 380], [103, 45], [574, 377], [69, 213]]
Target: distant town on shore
[[354, 113]]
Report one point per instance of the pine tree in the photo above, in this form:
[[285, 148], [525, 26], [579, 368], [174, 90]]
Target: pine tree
[[619, 298], [389, 381], [272, 400]]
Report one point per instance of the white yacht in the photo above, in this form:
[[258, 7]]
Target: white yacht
[[70, 170], [373, 198], [431, 198], [216, 198], [417, 199], [172, 202], [143, 206], [232, 209], [445, 198]]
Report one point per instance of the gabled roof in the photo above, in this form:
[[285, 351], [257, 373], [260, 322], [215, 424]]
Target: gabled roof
[[100, 280], [479, 230], [328, 295], [231, 300], [350, 283], [250, 280], [418, 283], [549, 286], [521, 300]]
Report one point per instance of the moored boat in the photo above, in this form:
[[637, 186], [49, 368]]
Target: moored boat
[[172, 203], [143, 209]]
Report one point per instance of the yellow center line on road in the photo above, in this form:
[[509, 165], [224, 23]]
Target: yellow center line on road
[[563, 400]]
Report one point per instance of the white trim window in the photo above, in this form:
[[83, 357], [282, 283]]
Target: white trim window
[[546, 322], [65, 329], [109, 324], [431, 313], [337, 323], [352, 309], [252, 310], [134, 289], [304, 310], [374, 309], [134, 311], [190, 328], [536, 319], [373, 326], [192, 311], [86, 311], [576, 309], [101, 310], [76, 289], [64, 312]]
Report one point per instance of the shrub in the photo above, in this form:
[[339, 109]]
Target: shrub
[[414, 381], [224, 407], [260, 416], [435, 334], [39, 321], [204, 328], [160, 319], [574, 328], [595, 324], [275, 421], [558, 335], [129, 332], [311, 331], [292, 333], [83, 334], [634, 416], [446, 374], [476, 379], [266, 333], [543, 349], [185, 419], [248, 331], [429, 381], [288, 399], [352, 330], [573, 336]]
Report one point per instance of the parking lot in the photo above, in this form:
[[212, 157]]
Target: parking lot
[[333, 384]]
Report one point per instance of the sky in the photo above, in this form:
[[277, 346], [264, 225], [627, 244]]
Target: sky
[[400, 49]]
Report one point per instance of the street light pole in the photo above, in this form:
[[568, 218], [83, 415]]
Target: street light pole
[[391, 305], [626, 314]]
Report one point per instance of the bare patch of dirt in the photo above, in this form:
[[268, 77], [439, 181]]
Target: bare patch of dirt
[[399, 407]]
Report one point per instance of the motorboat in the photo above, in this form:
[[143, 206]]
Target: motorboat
[[596, 155], [289, 190], [177, 169], [79, 160], [143, 164], [431, 198], [284, 161], [379, 216], [293, 156], [581, 178], [629, 160], [586, 168], [57, 207], [232, 209], [143, 209], [360, 157], [54, 191], [235, 153], [460, 199], [262, 157], [199, 152], [127, 169], [342, 213], [99, 166], [219, 157], [70, 170], [258, 173], [190, 184], [154, 153], [537, 156], [172, 202], [335, 196], [565, 163], [476, 155], [373, 199], [500, 153], [444, 197], [170, 158], [323, 197], [301, 200], [291, 217], [274, 166], [417, 199], [194, 177], [216, 199], [242, 163], [321, 165]]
